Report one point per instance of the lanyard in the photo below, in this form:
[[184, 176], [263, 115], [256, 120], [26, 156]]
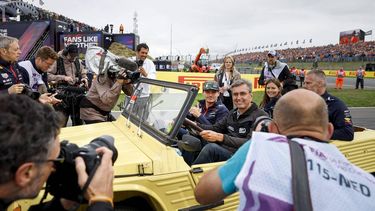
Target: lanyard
[[14, 74]]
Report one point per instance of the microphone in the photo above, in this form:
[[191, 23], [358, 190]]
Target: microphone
[[127, 64]]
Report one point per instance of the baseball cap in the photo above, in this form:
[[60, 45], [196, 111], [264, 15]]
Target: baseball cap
[[72, 50], [272, 53], [210, 85]]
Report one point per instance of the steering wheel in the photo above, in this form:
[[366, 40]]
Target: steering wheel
[[192, 127]]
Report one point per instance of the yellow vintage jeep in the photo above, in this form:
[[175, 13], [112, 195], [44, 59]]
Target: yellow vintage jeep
[[149, 172]]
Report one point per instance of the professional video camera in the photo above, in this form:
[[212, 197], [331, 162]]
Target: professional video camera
[[63, 183], [29, 92], [103, 62]]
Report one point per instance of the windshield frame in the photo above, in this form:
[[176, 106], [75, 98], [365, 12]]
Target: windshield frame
[[167, 139]]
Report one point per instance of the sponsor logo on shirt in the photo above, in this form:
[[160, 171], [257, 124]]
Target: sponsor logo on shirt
[[242, 130]]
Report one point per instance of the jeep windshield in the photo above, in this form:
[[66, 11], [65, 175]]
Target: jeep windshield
[[158, 107]]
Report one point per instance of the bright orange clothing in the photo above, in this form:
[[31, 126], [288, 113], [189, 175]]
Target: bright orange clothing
[[340, 74]]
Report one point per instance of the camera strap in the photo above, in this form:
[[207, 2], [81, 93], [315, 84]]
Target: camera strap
[[81, 197], [300, 180]]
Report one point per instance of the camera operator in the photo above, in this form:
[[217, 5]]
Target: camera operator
[[68, 71], [261, 170], [102, 97], [29, 150], [148, 70], [14, 78]]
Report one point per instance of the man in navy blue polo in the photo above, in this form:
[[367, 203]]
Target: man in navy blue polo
[[339, 114]]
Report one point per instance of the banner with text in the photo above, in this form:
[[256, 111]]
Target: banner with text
[[82, 40], [198, 79]]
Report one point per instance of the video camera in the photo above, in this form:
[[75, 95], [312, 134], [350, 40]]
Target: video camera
[[130, 69], [102, 62], [63, 183]]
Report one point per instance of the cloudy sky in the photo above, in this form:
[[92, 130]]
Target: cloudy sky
[[223, 26]]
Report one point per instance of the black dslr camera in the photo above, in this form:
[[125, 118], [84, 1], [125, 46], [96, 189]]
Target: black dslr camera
[[29, 92], [63, 183], [261, 124]]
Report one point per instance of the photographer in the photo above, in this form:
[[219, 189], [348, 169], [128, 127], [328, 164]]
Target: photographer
[[29, 150], [13, 77], [66, 73], [37, 68], [261, 170], [102, 97]]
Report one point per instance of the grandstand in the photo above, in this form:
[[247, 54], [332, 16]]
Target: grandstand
[[30, 12], [35, 27], [350, 56]]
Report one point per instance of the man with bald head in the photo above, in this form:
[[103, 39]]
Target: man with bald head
[[338, 113], [261, 168]]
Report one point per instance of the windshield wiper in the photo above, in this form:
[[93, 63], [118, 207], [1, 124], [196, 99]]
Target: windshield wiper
[[145, 108], [133, 101]]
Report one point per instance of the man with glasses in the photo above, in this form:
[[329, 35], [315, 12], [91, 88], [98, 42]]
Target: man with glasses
[[227, 135], [37, 68], [29, 147], [273, 68]]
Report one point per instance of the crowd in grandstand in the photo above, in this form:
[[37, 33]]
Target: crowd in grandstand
[[74, 26], [331, 53]]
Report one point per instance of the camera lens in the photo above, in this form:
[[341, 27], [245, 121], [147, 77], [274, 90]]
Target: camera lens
[[103, 141]]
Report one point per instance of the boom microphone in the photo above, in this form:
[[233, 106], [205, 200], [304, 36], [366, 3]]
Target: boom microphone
[[127, 64]]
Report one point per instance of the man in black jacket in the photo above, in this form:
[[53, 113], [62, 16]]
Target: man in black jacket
[[13, 77], [227, 135], [338, 113], [29, 147], [273, 68]]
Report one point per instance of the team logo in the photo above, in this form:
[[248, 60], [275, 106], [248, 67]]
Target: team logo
[[194, 80], [242, 130], [4, 75]]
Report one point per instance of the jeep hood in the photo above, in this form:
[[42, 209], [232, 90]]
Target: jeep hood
[[131, 160]]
